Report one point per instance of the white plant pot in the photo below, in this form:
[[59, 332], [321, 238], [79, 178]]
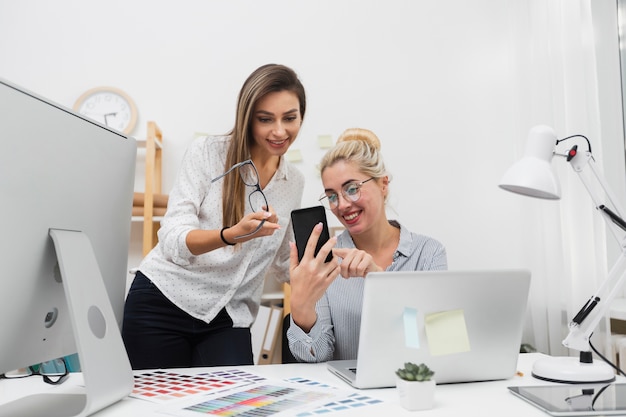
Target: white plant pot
[[415, 395]]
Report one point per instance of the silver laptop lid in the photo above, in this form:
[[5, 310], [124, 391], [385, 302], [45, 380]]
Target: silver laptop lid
[[465, 325]]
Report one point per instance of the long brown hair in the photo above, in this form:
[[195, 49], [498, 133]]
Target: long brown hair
[[266, 79]]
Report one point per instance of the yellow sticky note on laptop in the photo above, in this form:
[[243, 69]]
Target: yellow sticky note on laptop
[[446, 332]]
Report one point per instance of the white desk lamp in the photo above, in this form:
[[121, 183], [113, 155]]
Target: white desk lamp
[[533, 176]]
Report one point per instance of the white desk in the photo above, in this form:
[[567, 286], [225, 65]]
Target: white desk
[[471, 399]]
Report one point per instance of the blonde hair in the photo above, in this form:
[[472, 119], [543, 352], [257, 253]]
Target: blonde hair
[[360, 147]]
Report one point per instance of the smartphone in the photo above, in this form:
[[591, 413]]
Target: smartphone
[[303, 221]]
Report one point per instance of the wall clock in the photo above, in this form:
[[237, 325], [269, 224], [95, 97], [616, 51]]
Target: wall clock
[[110, 106]]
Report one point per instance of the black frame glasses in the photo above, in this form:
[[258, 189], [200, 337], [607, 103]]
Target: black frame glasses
[[350, 191], [251, 180], [49, 371]]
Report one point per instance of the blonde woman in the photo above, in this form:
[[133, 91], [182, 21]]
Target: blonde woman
[[326, 298]]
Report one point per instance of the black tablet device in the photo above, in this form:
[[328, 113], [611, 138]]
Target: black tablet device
[[303, 221], [576, 400]]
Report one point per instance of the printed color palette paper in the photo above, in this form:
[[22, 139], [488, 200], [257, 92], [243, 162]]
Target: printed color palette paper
[[356, 400], [259, 401], [164, 386], [351, 402]]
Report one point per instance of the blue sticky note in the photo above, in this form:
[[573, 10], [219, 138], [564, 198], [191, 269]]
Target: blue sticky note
[[411, 336]]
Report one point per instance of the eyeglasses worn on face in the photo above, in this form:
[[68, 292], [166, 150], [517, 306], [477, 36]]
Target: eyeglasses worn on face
[[350, 191], [250, 176]]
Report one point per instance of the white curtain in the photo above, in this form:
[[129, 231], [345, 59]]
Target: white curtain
[[559, 87]]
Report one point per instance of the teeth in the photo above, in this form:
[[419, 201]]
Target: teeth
[[278, 142], [351, 216]]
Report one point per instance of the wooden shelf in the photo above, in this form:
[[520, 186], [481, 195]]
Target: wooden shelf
[[154, 148], [140, 219], [142, 143]]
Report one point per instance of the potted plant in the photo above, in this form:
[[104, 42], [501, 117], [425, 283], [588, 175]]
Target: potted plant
[[416, 386]]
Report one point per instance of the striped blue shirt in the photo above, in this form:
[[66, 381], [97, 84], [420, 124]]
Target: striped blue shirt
[[335, 334]]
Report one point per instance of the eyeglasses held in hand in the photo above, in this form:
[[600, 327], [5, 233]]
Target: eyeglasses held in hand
[[250, 176], [351, 192]]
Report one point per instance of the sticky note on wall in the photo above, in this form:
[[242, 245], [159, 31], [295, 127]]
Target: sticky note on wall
[[446, 332], [325, 141], [293, 155]]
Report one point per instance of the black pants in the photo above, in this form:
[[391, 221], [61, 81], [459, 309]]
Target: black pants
[[157, 334]]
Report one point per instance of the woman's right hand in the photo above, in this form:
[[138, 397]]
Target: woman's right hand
[[310, 278]]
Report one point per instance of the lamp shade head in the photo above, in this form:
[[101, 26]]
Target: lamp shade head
[[533, 174]]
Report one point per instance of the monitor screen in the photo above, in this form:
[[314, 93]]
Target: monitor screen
[[66, 186]]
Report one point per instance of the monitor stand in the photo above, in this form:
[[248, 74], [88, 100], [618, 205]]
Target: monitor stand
[[105, 366]]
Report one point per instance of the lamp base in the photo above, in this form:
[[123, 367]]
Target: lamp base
[[570, 370]]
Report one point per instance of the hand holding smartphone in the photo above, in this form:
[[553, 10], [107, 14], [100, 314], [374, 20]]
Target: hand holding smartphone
[[303, 221]]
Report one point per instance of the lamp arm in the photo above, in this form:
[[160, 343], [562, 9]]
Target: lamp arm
[[583, 164], [596, 308], [587, 319]]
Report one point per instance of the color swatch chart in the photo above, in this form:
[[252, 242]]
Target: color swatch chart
[[261, 400], [352, 401], [164, 386]]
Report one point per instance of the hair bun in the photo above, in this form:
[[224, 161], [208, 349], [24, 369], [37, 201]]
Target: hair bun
[[359, 134]]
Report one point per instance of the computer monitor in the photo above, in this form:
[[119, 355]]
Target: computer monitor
[[66, 186]]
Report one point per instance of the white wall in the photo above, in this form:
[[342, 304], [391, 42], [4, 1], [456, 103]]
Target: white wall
[[434, 81], [439, 82]]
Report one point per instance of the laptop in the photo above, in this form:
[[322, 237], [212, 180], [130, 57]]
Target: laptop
[[465, 325]]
